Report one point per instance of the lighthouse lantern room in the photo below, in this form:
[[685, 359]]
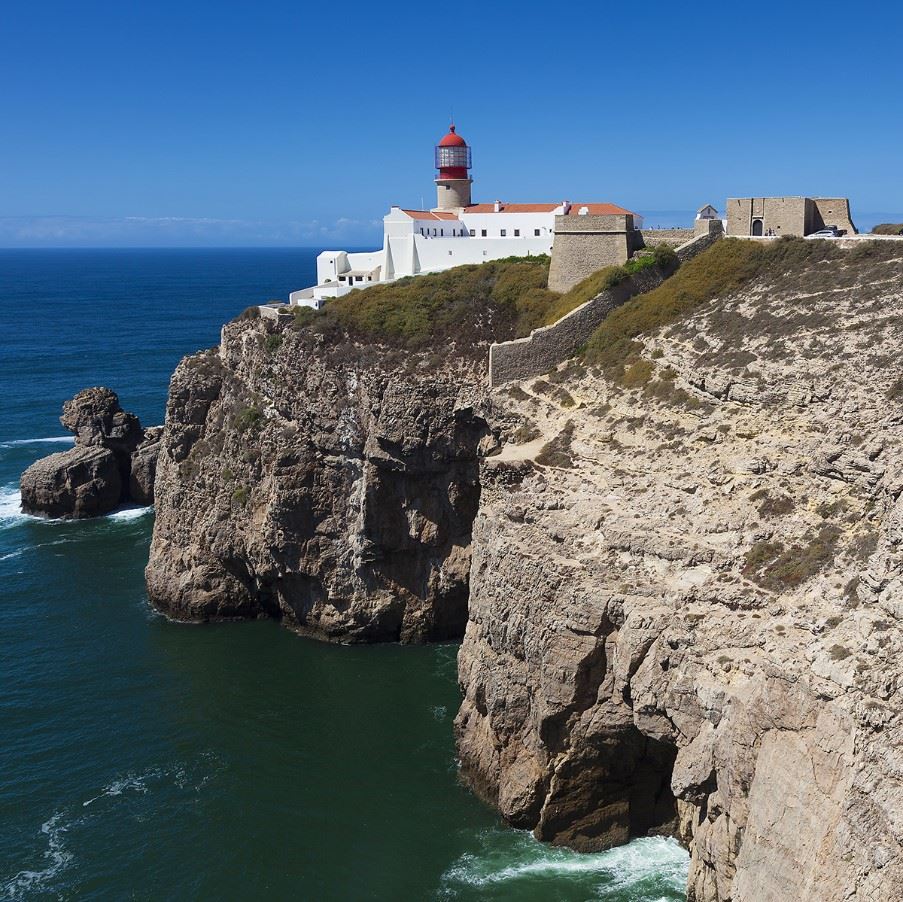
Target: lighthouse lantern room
[[454, 181]]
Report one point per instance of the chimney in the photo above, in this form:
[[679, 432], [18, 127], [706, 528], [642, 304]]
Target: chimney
[[566, 208], [497, 206]]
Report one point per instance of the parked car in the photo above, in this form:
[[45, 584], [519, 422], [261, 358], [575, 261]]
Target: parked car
[[829, 232]]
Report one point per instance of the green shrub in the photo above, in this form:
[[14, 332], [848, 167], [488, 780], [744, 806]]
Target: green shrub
[[664, 255], [274, 342], [888, 228], [776, 568], [240, 495], [248, 418], [467, 305], [638, 374], [773, 506], [557, 453], [250, 313], [759, 555], [526, 432], [304, 316]]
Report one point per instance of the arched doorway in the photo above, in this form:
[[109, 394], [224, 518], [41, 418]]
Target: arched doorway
[[757, 227]]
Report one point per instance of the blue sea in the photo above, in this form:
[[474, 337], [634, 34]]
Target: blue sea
[[142, 759]]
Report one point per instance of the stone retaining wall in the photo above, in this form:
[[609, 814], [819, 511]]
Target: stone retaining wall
[[548, 346], [672, 237]]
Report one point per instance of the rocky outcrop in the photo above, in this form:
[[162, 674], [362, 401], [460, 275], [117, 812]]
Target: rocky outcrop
[[685, 596], [112, 462], [81, 482], [143, 466], [330, 486]]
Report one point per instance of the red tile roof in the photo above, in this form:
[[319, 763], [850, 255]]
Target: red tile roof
[[594, 209], [428, 214]]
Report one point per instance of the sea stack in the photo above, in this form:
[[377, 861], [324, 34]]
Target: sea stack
[[113, 461]]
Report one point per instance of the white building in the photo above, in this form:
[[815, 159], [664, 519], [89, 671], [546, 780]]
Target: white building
[[454, 232]]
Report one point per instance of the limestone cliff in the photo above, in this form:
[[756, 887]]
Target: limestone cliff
[[686, 590], [328, 484], [685, 576]]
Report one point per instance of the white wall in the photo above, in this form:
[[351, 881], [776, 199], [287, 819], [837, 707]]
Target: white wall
[[436, 254], [526, 223], [409, 246]]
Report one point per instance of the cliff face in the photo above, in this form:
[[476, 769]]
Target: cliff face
[[333, 492], [686, 577], [685, 596]]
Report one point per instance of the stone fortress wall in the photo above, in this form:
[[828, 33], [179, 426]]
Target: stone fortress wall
[[671, 237], [585, 244], [797, 216], [546, 347]]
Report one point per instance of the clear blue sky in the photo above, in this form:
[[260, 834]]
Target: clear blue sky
[[205, 123]]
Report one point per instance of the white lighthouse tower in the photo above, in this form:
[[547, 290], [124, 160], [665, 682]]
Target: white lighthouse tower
[[454, 181]]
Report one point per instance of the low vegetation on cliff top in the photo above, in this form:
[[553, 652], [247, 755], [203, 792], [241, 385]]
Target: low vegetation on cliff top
[[888, 228], [725, 267], [467, 306]]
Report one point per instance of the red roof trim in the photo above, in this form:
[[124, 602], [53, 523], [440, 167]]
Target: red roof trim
[[594, 209]]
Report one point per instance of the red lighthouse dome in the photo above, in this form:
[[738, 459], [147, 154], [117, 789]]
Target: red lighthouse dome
[[452, 156]]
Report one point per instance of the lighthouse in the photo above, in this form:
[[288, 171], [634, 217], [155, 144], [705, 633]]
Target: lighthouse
[[454, 181]]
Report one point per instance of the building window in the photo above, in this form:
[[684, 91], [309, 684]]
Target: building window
[[517, 233], [434, 233], [442, 232], [482, 233], [503, 232], [473, 233], [449, 253], [358, 278], [536, 232]]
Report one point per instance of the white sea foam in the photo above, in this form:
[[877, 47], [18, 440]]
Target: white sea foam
[[124, 514], [11, 511], [58, 858], [26, 884], [52, 440], [647, 867], [131, 782], [11, 506]]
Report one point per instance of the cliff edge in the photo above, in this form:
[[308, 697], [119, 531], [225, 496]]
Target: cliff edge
[[687, 581]]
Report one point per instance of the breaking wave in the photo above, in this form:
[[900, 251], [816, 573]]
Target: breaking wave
[[11, 506], [651, 869], [11, 512]]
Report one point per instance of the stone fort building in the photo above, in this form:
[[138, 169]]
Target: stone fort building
[[787, 215]]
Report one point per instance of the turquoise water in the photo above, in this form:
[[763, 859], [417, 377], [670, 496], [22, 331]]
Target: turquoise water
[[142, 759]]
